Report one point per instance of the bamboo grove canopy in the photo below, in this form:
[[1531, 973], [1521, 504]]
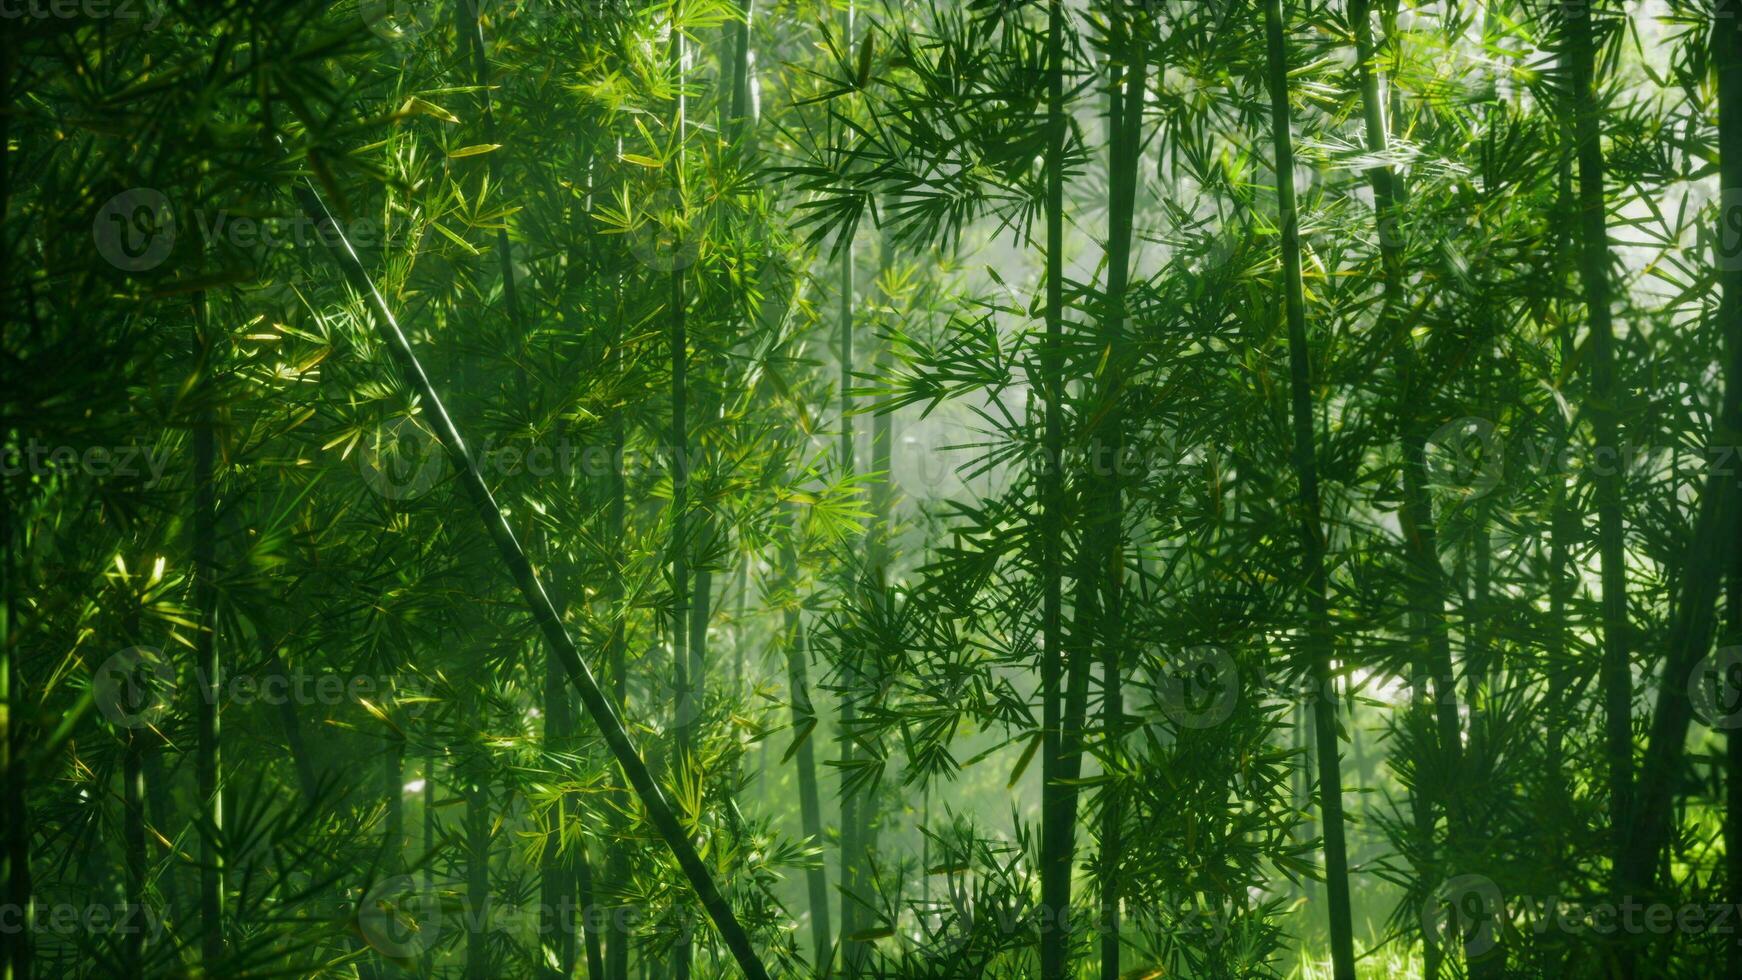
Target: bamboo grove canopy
[[871, 488]]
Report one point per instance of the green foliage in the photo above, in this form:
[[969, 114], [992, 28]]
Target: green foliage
[[407, 781]]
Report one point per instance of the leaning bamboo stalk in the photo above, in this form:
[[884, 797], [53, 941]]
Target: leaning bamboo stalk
[[659, 811]]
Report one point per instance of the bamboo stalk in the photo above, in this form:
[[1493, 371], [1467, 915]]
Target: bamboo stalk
[[475, 777], [207, 760], [1127, 122], [1416, 514], [617, 672], [1312, 530], [1727, 61], [15, 841], [1057, 820], [1617, 675], [803, 712], [1708, 554], [851, 885], [680, 475], [133, 848]]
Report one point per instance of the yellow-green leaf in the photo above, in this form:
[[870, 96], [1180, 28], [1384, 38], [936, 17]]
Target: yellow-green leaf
[[450, 236], [478, 149], [415, 106]]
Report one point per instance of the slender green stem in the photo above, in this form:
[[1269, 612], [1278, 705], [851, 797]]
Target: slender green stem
[[1312, 530], [1617, 674], [1056, 821], [207, 763]]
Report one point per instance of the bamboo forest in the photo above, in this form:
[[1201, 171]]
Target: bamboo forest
[[645, 489]]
